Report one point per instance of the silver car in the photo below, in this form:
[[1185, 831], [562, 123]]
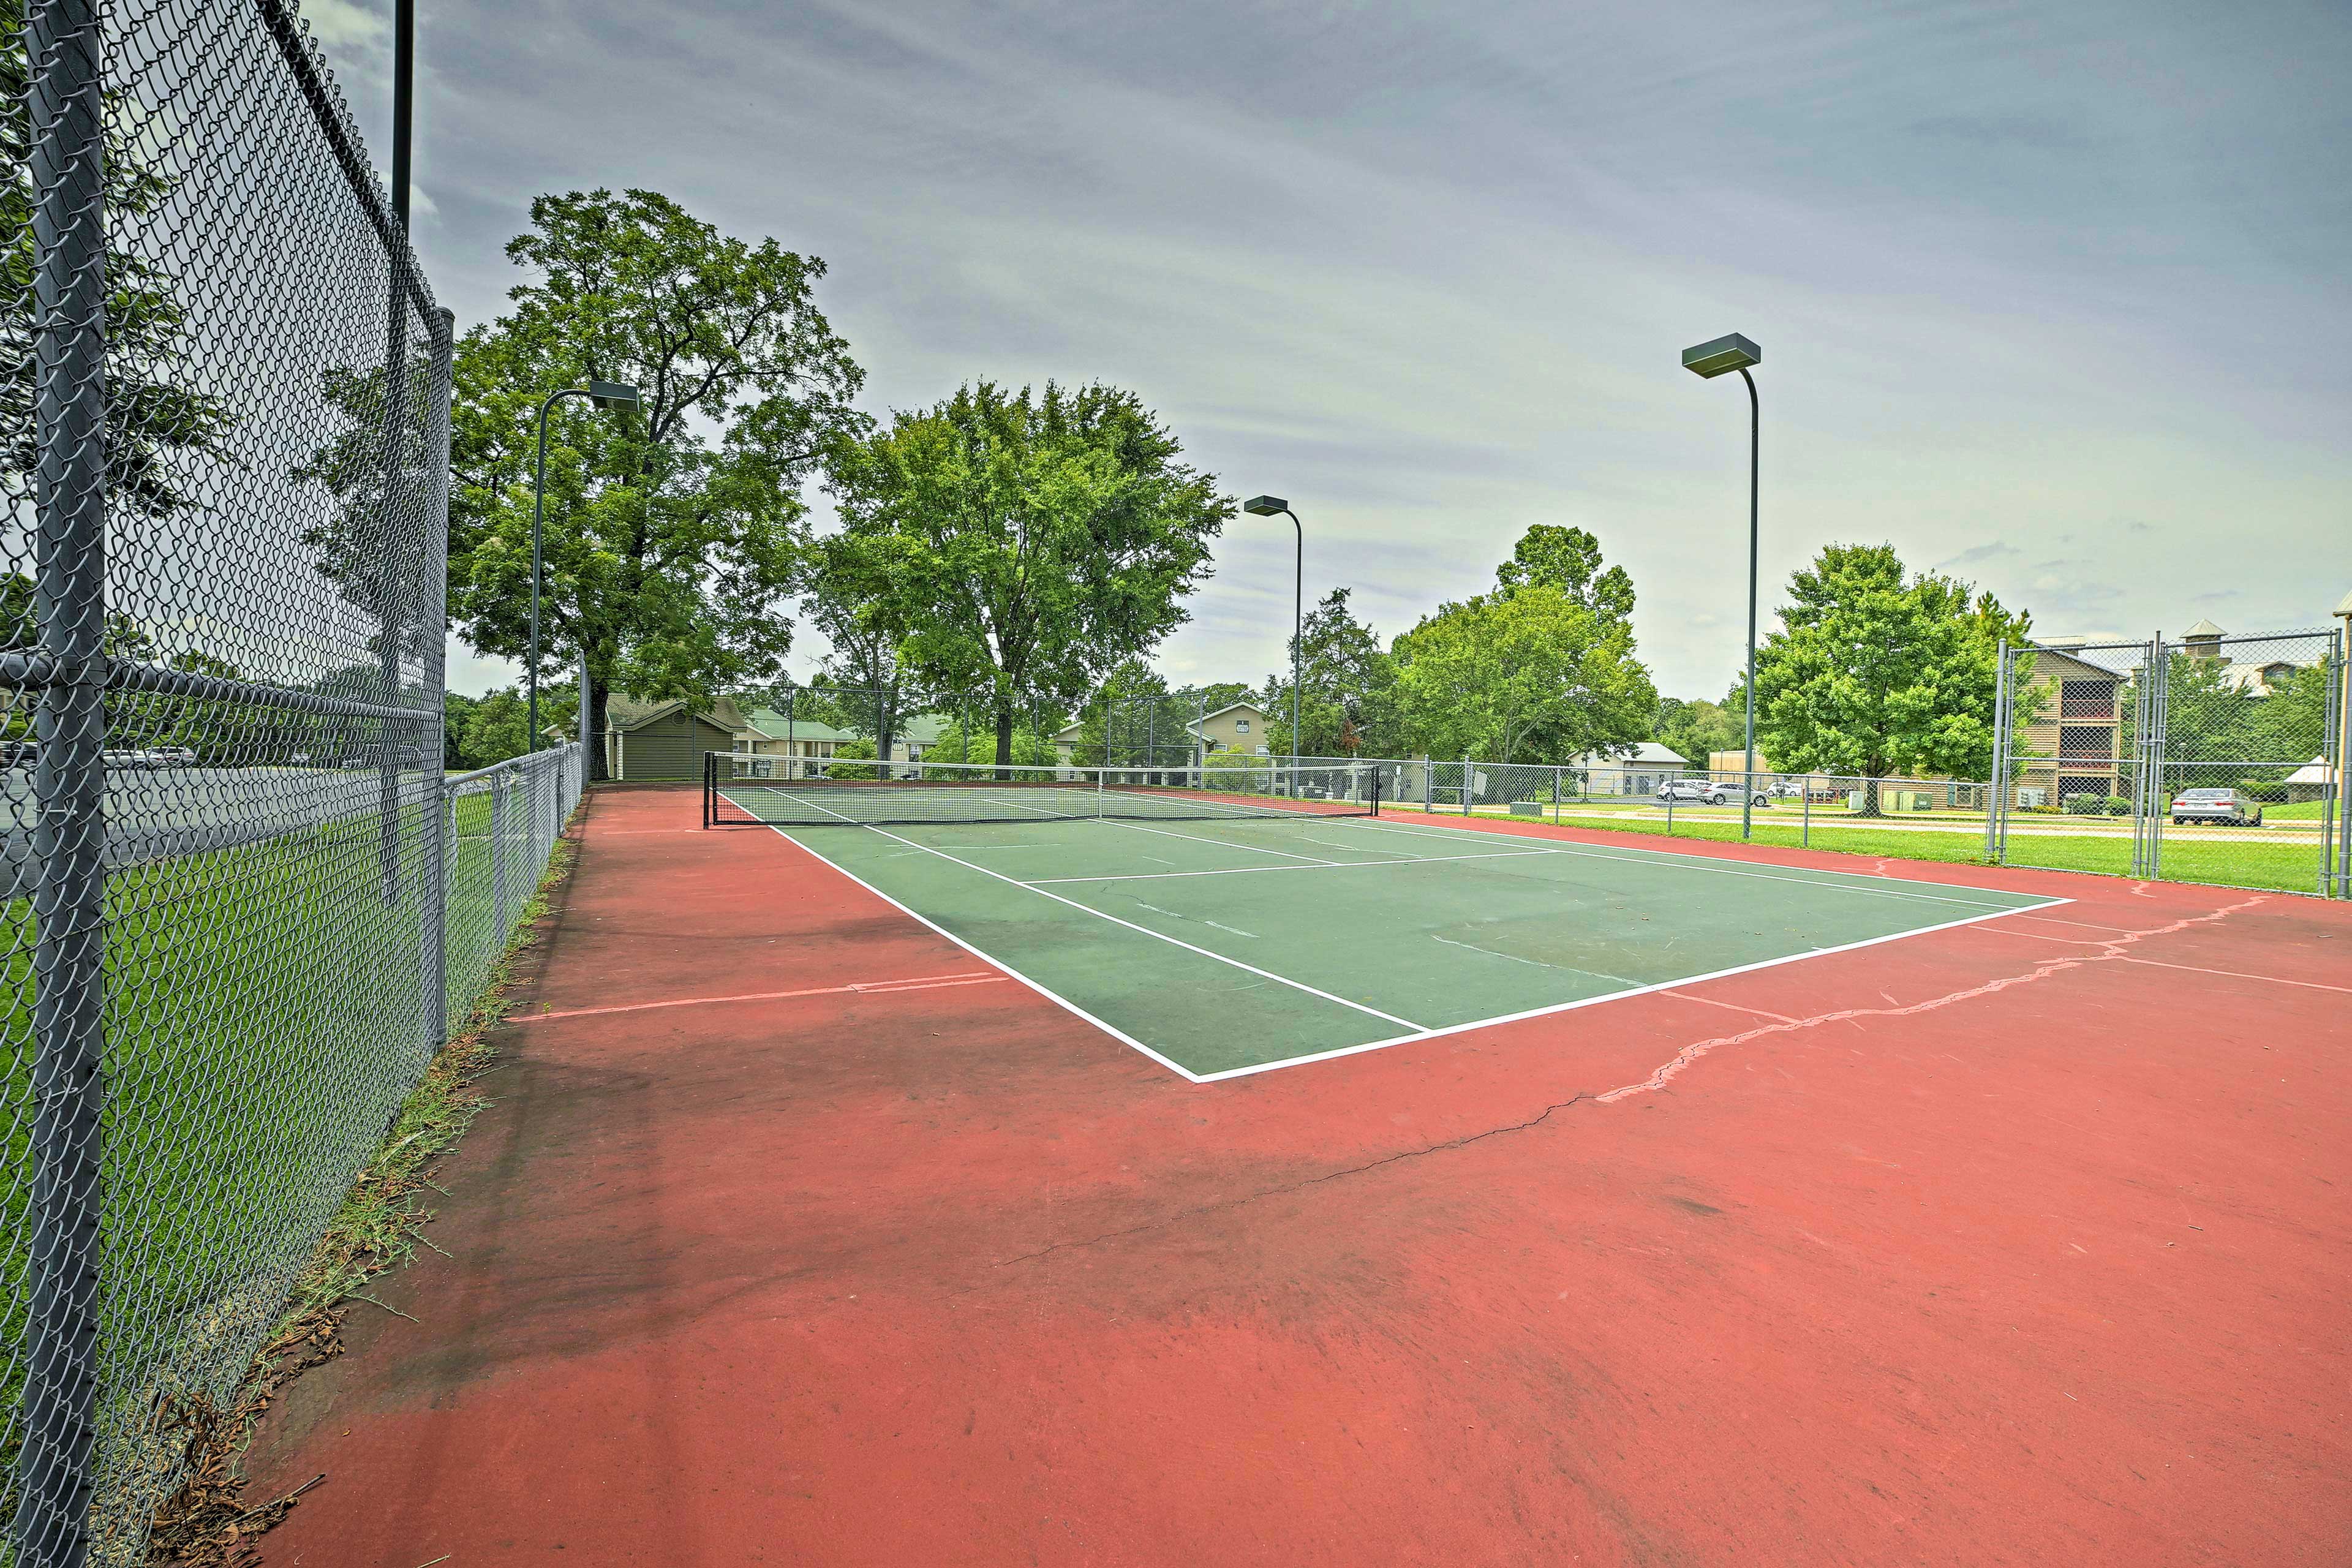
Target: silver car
[[1703, 790], [2231, 807]]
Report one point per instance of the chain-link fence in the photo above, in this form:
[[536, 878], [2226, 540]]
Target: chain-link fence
[[241, 902], [2204, 758], [500, 824], [2188, 772]]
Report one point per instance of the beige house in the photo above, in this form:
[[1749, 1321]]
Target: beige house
[[1237, 727], [796, 743]]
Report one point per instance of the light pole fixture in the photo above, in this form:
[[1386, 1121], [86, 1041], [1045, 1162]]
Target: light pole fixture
[[1710, 360], [1274, 506], [604, 394]]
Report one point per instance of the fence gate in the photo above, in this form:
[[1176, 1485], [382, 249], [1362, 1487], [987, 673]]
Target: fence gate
[[2204, 758]]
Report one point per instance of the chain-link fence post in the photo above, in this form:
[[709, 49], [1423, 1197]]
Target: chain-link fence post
[[498, 851], [65, 50], [2000, 751]]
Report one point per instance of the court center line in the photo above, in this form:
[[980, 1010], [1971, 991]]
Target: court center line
[[1318, 866], [1147, 931], [1700, 863], [1056, 997]]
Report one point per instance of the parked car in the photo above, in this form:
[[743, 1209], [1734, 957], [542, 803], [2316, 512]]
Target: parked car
[[2234, 807], [1705, 790]]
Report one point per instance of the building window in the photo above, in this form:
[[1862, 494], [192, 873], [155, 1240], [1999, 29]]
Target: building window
[[1241, 726]]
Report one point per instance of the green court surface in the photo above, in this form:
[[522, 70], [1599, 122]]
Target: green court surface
[[1220, 948]]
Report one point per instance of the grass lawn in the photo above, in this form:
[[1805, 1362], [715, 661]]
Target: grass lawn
[[2290, 867], [264, 1017]]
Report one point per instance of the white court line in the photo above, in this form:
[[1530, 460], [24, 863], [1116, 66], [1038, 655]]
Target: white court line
[[1056, 997], [1246, 848], [1596, 1001], [1130, 925], [1260, 870], [1701, 863], [1419, 1033]]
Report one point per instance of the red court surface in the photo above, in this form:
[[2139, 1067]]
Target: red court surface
[[798, 1237]]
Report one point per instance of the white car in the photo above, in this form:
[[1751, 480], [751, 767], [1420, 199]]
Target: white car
[[1703, 790], [2232, 806]]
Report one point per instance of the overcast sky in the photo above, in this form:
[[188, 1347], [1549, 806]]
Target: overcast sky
[[2052, 297]]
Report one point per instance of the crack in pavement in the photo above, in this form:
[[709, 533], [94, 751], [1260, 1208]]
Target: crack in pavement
[[1247, 1198], [1682, 1060]]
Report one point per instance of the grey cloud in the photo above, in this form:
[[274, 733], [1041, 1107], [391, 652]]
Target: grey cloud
[[1434, 287]]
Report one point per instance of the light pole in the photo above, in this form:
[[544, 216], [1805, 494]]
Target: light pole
[[606, 394], [1710, 360], [1274, 506]]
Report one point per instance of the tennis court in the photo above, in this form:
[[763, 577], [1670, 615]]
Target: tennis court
[[1230, 926]]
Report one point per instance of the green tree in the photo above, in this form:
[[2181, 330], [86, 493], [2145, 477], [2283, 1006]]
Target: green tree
[[847, 600], [2290, 723], [1875, 672], [1568, 559], [456, 716], [1128, 717], [1530, 676], [156, 431], [497, 727], [1347, 688], [675, 532], [844, 764], [1541, 669], [1031, 751], [1694, 729], [1027, 542]]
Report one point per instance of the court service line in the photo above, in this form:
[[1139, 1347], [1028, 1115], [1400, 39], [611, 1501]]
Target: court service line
[[1169, 833], [1609, 996], [1130, 925], [1700, 863], [1320, 865], [865, 987], [1145, 930], [1223, 843], [1056, 997]]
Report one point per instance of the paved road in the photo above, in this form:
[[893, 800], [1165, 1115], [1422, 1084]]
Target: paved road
[[155, 815]]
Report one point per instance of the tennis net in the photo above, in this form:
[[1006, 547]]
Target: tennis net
[[743, 790]]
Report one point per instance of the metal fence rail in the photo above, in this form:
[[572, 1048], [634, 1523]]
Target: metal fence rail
[[241, 903]]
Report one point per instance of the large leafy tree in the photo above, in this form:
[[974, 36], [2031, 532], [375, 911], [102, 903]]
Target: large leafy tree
[[675, 533], [1541, 669], [869, 687], [1875, 671], [1530, 676], [1027, 542], [1568, 559]]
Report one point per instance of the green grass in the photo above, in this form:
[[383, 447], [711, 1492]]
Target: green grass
[[263, 1023], [2289, 867]]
